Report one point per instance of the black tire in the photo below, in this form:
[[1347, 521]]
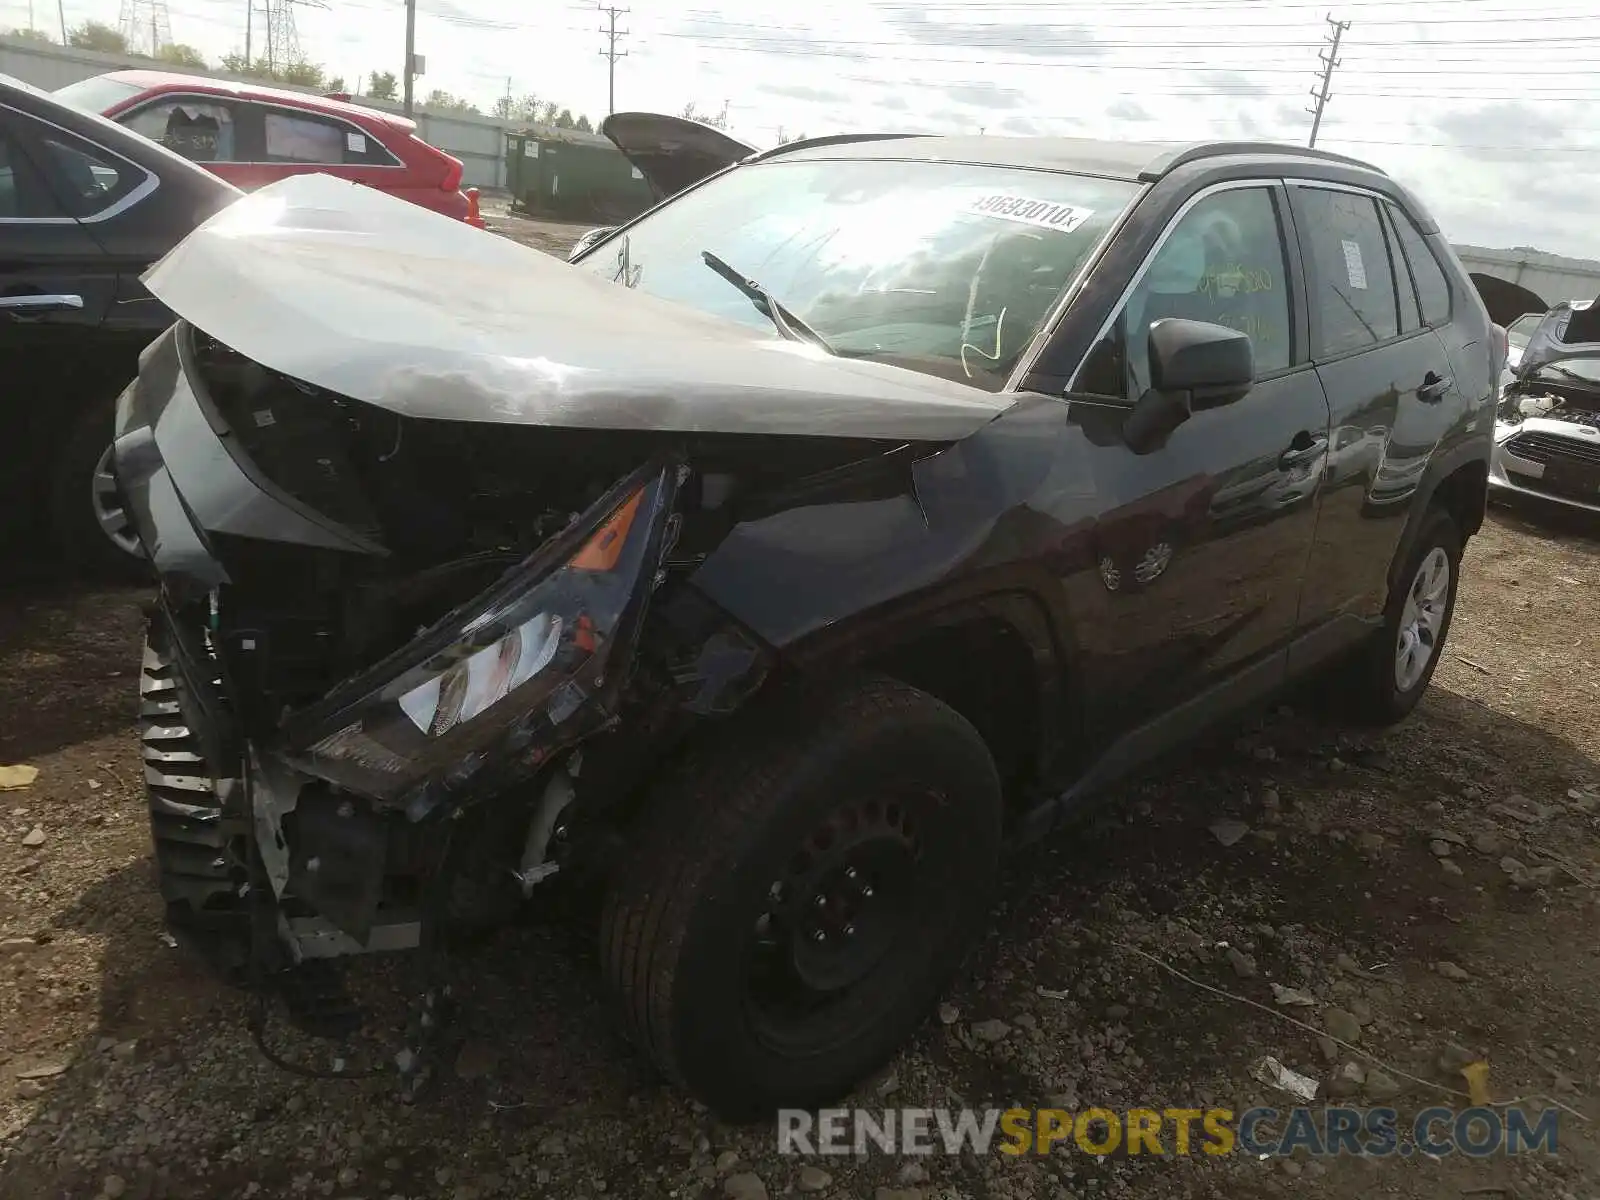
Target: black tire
[[79, 541], [804, 784], [1374, 694]]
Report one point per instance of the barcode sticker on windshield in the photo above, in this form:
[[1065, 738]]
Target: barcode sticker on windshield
[[1353, 266], [1042, 214]]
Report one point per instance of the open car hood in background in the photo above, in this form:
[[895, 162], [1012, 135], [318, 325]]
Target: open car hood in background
[[672, 153], [377, 299], [1569, 331]]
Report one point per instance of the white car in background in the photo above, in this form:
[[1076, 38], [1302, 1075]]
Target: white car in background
[[1547, 430]]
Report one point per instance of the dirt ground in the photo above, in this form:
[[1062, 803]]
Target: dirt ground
[[125, 1070], [553, 237]]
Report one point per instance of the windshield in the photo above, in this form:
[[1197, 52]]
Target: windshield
[[945, 268], [97, 93]]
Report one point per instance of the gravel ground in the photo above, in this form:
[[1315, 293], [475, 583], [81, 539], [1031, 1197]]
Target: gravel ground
[[1429, 890]]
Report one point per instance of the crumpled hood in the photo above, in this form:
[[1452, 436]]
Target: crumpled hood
[[1569, 331], [380, 300]]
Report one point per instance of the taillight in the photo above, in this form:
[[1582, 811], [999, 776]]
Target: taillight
[[452, 173]]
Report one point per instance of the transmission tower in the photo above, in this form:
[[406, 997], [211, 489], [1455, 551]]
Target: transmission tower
[[283, 41], [146, 23]]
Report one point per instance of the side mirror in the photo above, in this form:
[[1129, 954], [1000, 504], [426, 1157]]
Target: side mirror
[[1194, 365]]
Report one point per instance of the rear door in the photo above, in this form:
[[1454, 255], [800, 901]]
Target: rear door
[[1389, 385], [56, 286], [1204, 541]]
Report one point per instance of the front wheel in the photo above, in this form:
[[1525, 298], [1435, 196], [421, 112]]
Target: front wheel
[[792, 907], [93, 531], [1394, 671]]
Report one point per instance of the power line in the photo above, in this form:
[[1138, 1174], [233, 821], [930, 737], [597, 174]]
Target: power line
[[1177, 10], [611, 53]]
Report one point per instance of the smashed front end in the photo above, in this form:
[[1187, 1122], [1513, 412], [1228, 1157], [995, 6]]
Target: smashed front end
[[378, 643]]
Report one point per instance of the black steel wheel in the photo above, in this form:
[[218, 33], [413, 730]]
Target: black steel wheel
[[791, 907]]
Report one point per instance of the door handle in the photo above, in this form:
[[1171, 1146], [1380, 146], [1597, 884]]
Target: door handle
[[1434, 386], [39, 303], [1303, 449]]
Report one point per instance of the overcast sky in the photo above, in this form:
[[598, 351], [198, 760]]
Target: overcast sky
[[1485, 107]]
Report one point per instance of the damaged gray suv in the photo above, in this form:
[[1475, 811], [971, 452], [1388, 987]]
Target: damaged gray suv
[[865, 506]]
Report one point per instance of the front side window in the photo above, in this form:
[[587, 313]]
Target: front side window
[[1353, 300], [1222, 263], [945, 268], [202, 131]]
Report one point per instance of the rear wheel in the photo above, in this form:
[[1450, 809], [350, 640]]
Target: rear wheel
[[792, 907], [1389, 678]]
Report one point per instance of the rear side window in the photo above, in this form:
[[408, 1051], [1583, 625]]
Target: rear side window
[[201, 130], [307, 138], [1432, 288], [85, 179], [1353, 301], [21, 196], [1410, 312]]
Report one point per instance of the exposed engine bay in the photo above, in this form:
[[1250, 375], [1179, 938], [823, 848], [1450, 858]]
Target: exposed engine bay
[[1545, 395]]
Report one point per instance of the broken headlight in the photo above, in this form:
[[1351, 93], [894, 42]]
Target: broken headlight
[[530, 665]]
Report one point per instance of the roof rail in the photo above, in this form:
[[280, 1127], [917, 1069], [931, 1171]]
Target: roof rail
[[1174, 159], [830, 139]]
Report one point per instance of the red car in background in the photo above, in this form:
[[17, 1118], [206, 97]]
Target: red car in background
[[252, 135]]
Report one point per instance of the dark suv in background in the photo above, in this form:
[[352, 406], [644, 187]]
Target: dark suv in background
[[863, 506]]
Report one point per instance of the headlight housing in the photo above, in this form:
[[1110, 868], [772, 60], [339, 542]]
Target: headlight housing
[[530, 666]]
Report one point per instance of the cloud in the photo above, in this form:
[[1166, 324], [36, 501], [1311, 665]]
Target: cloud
[[1234, 83], [1020, 127], [984, 95], [1508, 123], [800, 91], [1129, 110], [1000, 37]]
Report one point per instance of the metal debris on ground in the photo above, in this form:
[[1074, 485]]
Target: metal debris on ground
[[1274, 1074]]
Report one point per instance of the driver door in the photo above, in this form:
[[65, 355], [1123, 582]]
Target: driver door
[[1204, 541]]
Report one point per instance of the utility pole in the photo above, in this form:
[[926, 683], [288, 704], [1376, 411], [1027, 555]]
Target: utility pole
[[611, 53], [1330, 60], [249, 24], [411, 49], [61, 11]]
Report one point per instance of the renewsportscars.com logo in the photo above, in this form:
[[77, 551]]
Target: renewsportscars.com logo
[[1477, 1132]]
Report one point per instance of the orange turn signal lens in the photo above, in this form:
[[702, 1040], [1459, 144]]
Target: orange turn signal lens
[[601, 552]]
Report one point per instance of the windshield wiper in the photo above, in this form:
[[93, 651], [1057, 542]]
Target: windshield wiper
[[789, 325]]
